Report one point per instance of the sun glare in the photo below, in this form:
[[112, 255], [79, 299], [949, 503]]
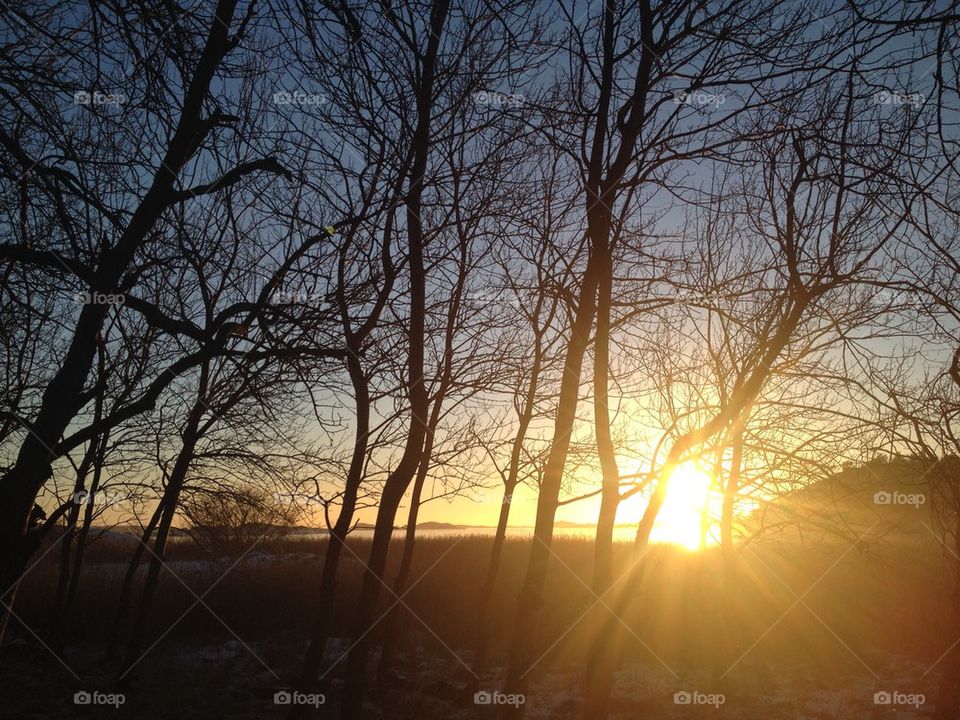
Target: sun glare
[[680, 519]]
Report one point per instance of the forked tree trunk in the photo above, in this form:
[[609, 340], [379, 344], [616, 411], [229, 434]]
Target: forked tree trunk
[[399, 480], [393, 626], [597, 691], [530, 600]]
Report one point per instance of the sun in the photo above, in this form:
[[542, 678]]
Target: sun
[[680, 519]]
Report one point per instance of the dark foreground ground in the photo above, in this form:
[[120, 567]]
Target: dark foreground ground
[[797, 632]]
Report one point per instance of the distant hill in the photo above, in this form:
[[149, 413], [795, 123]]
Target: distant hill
[[430, 525], [880, 501]]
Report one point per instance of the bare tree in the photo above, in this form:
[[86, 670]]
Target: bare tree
[[827, 238]]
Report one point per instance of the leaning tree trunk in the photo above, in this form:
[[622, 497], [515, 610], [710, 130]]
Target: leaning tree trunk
[[482, 644], [525, 631], [83, 533], [336, 544], [393, 626], [736, 410], [338, 534], [126, 587], [33, 467], [66, 547], [171, 497], [396, 484]]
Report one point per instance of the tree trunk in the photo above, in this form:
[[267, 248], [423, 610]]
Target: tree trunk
[[338, 534], [84, 532], [948, 689], [66, 547], [525, 632], [393, 626], [482, 644], [353, 690], [171, 497], [610, 489], [396, 484], [730, 495], [126, 587], [596, 692], [70, 576], [737, 409]]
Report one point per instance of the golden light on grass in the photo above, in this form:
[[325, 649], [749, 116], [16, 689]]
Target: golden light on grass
[[680, 521]]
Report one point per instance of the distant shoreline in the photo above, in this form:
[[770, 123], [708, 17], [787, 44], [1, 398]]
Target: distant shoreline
[[430, 525]]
